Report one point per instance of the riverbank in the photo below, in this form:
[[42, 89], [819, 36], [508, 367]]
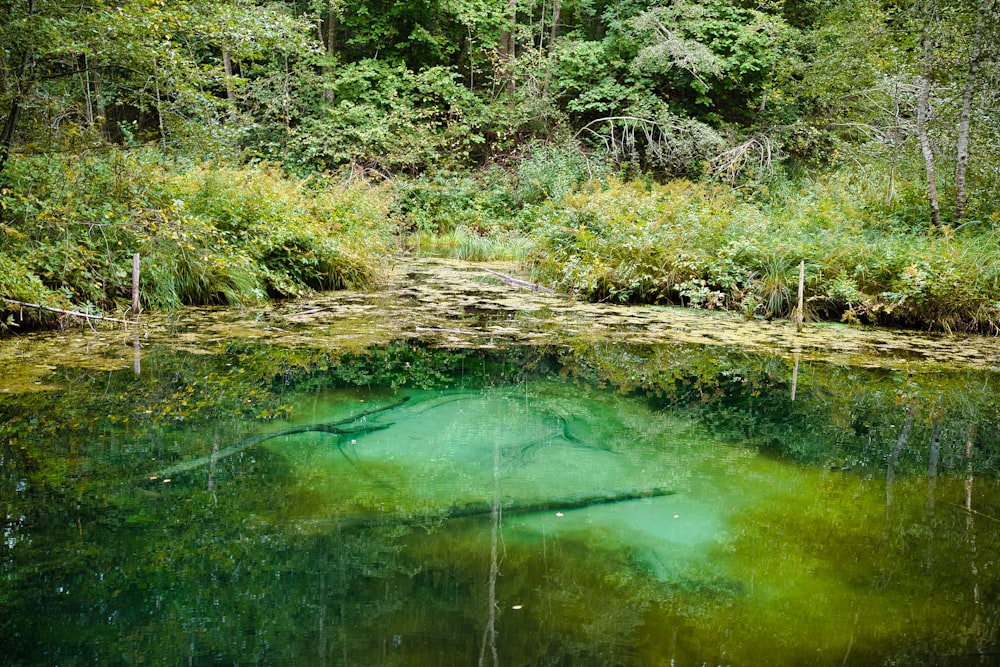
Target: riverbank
[[236, 236], [463, 305]]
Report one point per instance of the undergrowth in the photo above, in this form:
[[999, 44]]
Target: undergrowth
[[705, 245], [216, 234], [206, 234]]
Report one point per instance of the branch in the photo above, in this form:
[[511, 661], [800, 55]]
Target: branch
[[629, 119], [74, 313], [510, 280]]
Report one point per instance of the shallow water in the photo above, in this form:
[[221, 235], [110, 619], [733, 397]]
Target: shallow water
[[446, 530]]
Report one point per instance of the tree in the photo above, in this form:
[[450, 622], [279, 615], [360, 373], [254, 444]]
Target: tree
[[986, 22], [146, 69], [907, 84], [924, 109]]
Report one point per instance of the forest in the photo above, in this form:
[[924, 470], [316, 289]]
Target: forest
[[688, 152]]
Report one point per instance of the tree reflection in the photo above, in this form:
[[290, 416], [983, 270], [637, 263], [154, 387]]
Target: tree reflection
[[229, 566]]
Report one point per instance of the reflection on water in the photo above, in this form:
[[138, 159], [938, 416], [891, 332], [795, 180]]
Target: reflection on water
[[462, 526]]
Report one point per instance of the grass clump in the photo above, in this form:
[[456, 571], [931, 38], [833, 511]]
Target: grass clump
[[467, 245], [207, 234], [704, 245]]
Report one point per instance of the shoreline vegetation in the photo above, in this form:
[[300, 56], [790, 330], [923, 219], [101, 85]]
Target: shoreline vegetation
[[231, 235], [646, 152]]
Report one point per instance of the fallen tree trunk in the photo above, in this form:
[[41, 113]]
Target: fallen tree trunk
[[166, 474], [517, 282], [510, 506]]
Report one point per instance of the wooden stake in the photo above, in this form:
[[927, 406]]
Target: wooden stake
[[135, 286], [800, 312]]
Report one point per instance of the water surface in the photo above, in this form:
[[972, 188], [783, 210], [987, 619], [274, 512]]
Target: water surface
[[450, 472], [147, 518]]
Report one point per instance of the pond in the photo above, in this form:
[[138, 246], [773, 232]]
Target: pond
[[375, 479]]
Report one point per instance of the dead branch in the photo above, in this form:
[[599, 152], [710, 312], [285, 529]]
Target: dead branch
[[74, 313], [756, 153], [510, 280]]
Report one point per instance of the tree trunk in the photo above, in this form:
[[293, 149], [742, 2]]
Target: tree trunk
[[507, 45], [159, 108], [490, 631], [7, 139], [326, 427], [890, 472], [556, 10], [923, 112], [977, 629], [987, 8], [102, 112], [23, 84], [83, 67], [932, 473], [227, 64], [962, 144], [330, 41]]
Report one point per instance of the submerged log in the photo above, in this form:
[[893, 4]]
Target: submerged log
[[60, 311], [512, 506], [325, 427]]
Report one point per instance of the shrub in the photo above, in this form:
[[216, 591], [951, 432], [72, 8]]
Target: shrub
[[703, 245], [206, 234]]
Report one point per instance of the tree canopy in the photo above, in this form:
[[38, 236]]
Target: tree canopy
[[406, 86]]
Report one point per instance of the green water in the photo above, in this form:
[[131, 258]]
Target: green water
[[794, 532]]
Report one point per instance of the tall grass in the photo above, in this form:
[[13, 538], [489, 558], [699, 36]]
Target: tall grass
[[465, 244], [207, 234], [704, 245]]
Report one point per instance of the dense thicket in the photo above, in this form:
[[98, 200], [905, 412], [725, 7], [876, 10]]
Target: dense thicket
[[523, 100]]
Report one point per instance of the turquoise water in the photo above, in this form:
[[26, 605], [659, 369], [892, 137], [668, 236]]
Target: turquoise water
[[779, 538]]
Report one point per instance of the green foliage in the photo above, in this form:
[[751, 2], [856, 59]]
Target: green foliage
[[384, 117], [131, 71], [19, 283], [551, 171], [844, 417], [488, 215], [206, 234], [445, 201], [701, 245], [419, 94], [717, 59]]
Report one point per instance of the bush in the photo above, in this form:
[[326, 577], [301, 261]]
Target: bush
[[206, 234], [702, 245]]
